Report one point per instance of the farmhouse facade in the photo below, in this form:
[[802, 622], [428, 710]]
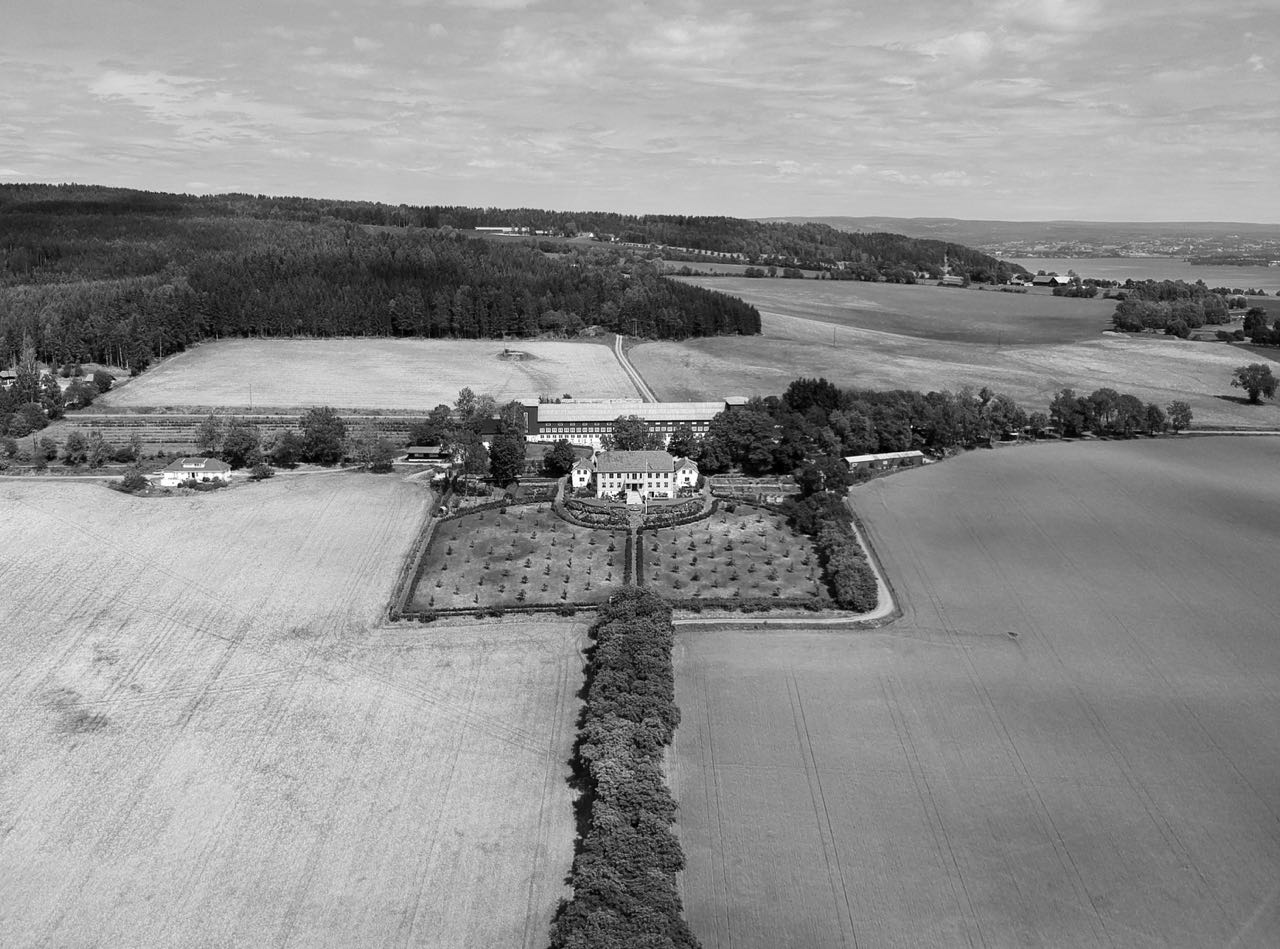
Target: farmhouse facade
[[640, 475], [188, 470]]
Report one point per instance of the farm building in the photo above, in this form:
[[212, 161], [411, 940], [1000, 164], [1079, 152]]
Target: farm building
[[580, 476], [1049, 280], [586, 422], [435, 453], [885, 461], [639, 475], [186, 470]]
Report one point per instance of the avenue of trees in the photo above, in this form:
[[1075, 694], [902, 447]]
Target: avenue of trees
[[627, 858], [1108, 412]]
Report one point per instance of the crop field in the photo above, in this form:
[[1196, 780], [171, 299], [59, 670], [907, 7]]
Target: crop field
[[926, 311], [747, 553], [526, 555], [1067, 739], [1154, 368], [415, 374], [208, 740]]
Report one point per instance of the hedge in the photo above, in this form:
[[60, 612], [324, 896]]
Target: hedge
[[845, 567], [623, 875]]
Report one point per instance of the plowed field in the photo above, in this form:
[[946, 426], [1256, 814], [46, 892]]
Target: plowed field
[[207, 740], [1109, 776], [416, 374]]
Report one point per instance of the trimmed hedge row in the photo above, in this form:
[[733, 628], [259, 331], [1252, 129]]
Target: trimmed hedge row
[[628, 559], [623, 876], [661, 517], [750, 604]]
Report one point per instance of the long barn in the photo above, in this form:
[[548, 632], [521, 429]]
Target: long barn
[[587, 421]]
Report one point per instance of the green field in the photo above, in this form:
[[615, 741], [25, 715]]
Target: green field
[[803, 339], [925, 310], [1067, 739]]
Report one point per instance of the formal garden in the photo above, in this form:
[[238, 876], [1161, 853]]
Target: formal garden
[[739, 553], [521, 555]]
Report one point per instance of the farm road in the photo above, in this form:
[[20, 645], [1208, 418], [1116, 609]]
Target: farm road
[[630, 371]]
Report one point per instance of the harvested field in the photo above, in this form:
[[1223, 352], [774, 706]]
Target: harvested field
[[748, 553], [1155, 368], [1109, 776], [413, 374], [926, 311], [208, 740], [523, 556]]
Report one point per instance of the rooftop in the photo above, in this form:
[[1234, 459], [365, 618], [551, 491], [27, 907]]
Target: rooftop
[[197, 464], [624, 461], [607, 411]]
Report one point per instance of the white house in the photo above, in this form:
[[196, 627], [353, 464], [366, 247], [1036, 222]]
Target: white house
[[187, 470], [686, 474], [638, 475], [580, 476]]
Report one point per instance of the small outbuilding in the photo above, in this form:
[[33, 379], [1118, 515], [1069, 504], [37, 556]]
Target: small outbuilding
[[885, 461], [194, 470]]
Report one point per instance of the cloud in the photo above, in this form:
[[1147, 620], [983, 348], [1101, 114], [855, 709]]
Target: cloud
[[364, 44]]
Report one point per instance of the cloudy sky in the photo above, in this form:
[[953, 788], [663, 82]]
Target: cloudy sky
[[1015, 109]]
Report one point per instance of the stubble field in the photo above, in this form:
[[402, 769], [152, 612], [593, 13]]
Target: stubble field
[[415, 374], [1108, 777], [805, 333], [208, 739]]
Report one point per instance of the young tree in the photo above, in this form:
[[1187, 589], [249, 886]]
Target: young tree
[[75, 449], [559, 458], [97, 452], [324, 436], [209, 435], [1179, 415], [1256, 379]]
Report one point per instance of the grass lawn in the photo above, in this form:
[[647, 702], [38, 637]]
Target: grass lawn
[[525, 555], [745, 554]]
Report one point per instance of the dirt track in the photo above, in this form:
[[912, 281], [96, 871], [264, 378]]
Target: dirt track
[[1109, 776]]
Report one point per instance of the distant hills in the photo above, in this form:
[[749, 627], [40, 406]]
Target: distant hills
[[1075, 238]]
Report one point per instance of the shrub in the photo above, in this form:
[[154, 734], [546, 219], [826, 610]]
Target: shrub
[[261, 472], [133, 481]]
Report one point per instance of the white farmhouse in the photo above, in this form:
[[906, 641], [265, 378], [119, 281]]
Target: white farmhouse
[[188, 470], [639, 475]]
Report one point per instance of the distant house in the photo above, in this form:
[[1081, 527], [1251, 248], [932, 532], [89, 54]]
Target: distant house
[[8, 377], [686, 474], [640, 475], [1049, 280], [951, 280], [426, 453], [885, 460], [188, 470]]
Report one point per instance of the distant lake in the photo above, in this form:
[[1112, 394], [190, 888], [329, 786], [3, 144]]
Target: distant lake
[[1157, 268]]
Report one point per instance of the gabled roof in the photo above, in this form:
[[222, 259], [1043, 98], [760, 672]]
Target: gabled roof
[[686, 463], [196, 465], [620, 461], [582, 463]]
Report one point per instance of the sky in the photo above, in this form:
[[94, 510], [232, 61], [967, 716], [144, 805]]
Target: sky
[[1138, 110]]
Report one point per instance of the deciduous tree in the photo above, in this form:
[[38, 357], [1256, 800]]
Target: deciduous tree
[[1256, 379]]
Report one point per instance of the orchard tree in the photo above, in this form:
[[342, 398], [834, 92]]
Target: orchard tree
[[1256, 379], [1179, 416]]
